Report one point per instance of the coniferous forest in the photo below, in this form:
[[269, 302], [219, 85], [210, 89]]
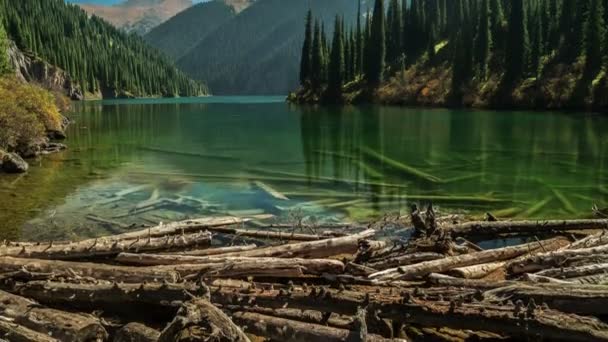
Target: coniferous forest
[[98, 57], [492, 53]]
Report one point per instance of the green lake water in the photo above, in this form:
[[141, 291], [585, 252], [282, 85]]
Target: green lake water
[[147, 161]]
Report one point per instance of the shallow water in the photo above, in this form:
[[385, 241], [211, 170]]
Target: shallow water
[[148, 161]]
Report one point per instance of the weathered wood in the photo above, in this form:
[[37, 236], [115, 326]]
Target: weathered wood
[[446, 264], [435, 279], [311, 249], [93, 270], [552, 259], [107, 247], [187, 226], [61, 325], [573, 298], [281, 329], [17, 333], [574, 272], [476, 271], [404, 260], [199, 320], [307, 316], [483, 228], [216, 251], [591, 241], [136, 332], [266, 234], [503, 319]]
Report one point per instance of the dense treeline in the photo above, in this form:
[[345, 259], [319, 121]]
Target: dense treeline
[[503, 41], [99, 57]]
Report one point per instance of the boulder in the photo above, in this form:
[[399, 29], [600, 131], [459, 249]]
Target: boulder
[[12, 163]]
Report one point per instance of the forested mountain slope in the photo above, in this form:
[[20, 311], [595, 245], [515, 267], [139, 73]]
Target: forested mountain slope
[[258, 51], [138, 16], [185, 30], [100, 58]]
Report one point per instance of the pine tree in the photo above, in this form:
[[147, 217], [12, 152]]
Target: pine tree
[[377, 46], [517, 44], [5, 65], [317, 58], [306, 61], [336, 63], [483, 39], [595, 32]]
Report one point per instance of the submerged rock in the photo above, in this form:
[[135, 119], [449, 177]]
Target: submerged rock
[[13, 163]]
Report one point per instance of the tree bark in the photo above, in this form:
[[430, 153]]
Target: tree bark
[[285, 330], [107, 247], [83, 269], [446, 264], [136, 332], [311, 249], [18, 333], [483, 228], [61, 325], [199, 320]]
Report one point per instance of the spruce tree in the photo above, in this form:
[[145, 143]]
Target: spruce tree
[[317, 57], [595, 32], [359, 43], [336, 63], [5, 65], [377, 46], [306, 61], [517, 43], [483, 39], [394, 31]]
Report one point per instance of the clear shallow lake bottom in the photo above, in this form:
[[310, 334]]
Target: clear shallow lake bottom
[[141, 162]]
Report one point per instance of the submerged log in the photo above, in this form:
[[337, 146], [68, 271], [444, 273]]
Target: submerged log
[[105, 247], [85, 269], [18, 333], [285, 330], [446, 264], [483, 228], [311, 249], [136, 332], [64, 326], [199, 320]]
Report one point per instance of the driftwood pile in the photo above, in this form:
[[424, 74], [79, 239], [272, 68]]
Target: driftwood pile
[[168, 283]]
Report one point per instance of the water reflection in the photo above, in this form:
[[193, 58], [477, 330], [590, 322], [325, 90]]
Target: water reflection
[[186, 158]]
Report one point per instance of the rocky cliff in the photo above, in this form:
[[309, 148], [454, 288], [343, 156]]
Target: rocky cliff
[[30, 68]]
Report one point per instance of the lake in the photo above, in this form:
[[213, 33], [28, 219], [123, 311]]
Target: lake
[[141, 162]]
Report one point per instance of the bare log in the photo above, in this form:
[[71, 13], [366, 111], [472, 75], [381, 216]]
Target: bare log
[[476, 271], [216, 251], [591, 241], [503, 319], [575, 272], [573, 298], [444, 280], [307, 316], [84, 269], [552, 259], [136, 332], [105, 247], [61, 325], [199, 320], [446, 264], [404, 260], [18, 333], [481, 228], [312, 249], [281, 329], [187, 226], [266, 234]]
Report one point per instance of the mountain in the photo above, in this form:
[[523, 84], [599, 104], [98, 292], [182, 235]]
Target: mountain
[[138, 16], [101, 59], [185, 30], [255, 52]]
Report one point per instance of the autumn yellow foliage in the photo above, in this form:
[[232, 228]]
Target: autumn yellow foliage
[[27, 112]]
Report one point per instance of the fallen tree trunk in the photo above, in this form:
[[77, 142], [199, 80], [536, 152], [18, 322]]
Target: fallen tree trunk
[[503, 319], [446, 264], [484, 228], [61, 325], [476, 271], [199, 320], [574, 272], [136, 332], [444, 280], [553, 259], [404, 260], [312, 249], [84, 269], [105, 247], [573, 298], [285, 330], [18, 333], [590, 241], [174, 228], [306, 316], [266, 234], [215, 251]]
